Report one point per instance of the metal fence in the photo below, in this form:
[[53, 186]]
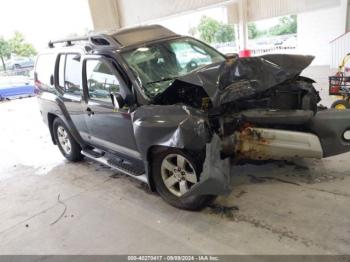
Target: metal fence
[[273, 50], [230, 47]]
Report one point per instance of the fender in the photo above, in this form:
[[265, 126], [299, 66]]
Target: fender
[[186, 128], [175, 126]]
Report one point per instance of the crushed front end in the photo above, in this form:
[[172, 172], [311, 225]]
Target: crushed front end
[[257, 108]]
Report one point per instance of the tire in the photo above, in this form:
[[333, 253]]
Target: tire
[[173, 195], [341, 104], [64, 140]]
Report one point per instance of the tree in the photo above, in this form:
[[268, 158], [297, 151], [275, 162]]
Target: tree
[[5, 51], [207, 29], [211, 31], [252, 31], [226, 33], [287, 25], [20, 47]]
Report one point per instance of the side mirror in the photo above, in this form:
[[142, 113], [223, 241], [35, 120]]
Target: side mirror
[[117, 100], [231, 57]]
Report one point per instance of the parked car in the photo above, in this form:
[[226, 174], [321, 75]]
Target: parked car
[[19, 63], [133, 101]]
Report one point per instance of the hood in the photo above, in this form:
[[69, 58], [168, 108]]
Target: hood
[[245, 77]]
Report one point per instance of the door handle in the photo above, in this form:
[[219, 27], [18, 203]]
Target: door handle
[[89, 111]]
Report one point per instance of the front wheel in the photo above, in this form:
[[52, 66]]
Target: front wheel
[[174, 174], [69, 148], [341, 104]]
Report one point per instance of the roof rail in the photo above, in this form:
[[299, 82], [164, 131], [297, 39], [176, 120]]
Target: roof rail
[[96, 40], [68, 41]]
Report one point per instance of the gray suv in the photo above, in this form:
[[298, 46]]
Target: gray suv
[[175, 113]]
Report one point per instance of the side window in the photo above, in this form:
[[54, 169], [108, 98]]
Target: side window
[[101, 81], [44, 69], [72, 75]]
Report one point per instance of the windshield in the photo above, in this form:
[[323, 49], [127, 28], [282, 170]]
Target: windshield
[[158, 65]]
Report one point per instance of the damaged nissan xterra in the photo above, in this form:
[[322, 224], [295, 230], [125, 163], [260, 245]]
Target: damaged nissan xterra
[[175, 113]]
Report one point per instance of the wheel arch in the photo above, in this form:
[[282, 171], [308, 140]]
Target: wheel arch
[[151, 152], [50, 119]]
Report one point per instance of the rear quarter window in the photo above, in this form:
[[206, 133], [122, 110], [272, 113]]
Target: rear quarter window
[[44, 71], [72, 75]]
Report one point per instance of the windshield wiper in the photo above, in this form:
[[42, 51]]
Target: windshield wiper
[[162, 80]]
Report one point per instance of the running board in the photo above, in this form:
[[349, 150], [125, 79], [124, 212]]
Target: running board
[[115, 165]]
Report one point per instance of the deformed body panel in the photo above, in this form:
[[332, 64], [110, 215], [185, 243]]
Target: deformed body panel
[[331, 126], [185, 128], [175, 126], [244, 77]]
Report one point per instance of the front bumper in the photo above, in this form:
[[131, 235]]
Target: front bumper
[[332, 127], [329, 134]]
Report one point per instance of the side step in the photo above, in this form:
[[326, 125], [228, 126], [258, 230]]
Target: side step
[[115, 163], [93, 153]]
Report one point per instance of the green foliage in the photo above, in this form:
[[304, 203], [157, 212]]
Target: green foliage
[[20, 47], [226, 33], [5, 51], [252, 31], [207, 29], [211, 31], [15, 45], [286, 25]]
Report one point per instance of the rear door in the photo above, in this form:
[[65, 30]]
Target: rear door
[[108, 128], [69, 82]]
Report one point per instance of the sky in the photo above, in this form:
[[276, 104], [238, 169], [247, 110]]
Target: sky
[[44, 20]]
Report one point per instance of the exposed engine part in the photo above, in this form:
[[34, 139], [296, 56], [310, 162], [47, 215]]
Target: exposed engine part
[[267, 144], [184, 93]]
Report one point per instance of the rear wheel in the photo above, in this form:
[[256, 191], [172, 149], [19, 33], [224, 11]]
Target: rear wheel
[[65, 142], [174, 174], [341, 104]]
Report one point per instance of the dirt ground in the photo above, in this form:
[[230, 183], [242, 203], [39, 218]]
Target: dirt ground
[[51, 206]]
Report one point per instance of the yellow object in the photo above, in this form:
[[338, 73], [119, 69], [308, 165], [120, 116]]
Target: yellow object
[[345, 60], [340, 107]]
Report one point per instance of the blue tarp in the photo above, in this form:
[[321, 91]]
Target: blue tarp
[[15, 91]]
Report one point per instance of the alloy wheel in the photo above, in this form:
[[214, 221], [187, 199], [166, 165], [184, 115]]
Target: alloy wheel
[[178, 174], [64, 140]]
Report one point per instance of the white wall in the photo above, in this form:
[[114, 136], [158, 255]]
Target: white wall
[[316, 29]]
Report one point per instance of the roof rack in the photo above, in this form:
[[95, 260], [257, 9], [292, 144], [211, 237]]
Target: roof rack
[[96, 40]]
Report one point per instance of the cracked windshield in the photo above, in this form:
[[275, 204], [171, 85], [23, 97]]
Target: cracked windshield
[[158, 65]]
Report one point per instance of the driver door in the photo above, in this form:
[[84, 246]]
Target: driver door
[[108, 128]]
